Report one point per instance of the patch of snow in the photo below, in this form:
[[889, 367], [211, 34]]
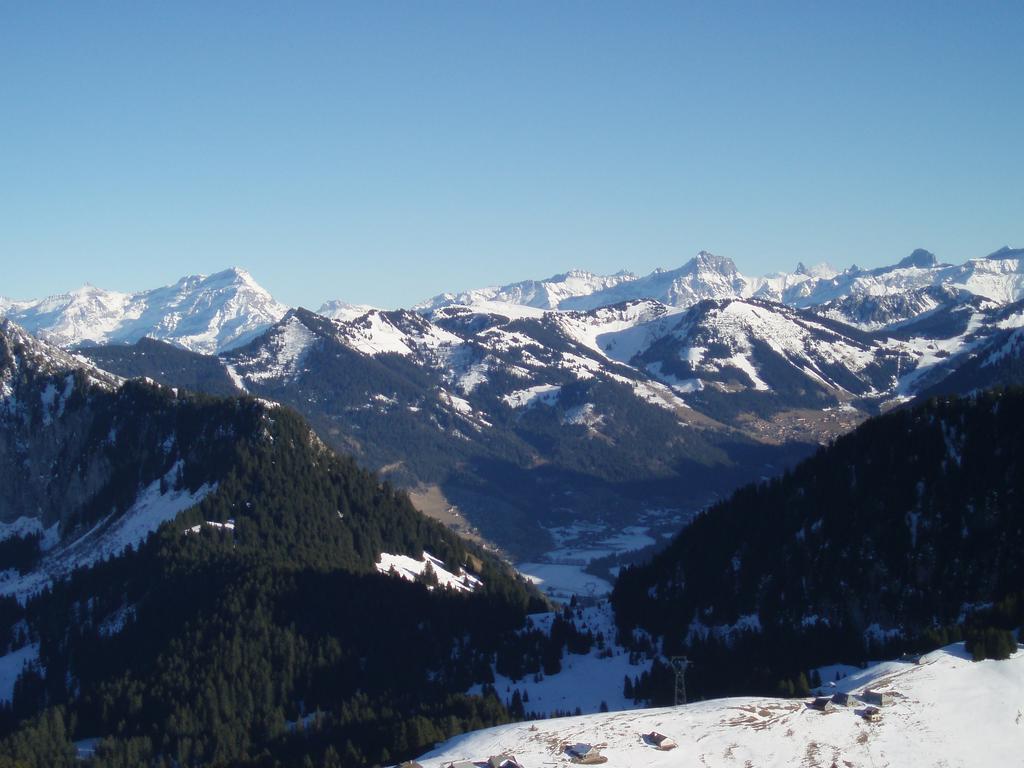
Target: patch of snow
[[85, 749], [545, 394], [685, 386], [473, 377], [658, 394], [456, 403], [561, 582], [20, 528], [114, 623], [213, 524], [877, 634], [12, 664], [235, 378], [583, 415], [411, 569]]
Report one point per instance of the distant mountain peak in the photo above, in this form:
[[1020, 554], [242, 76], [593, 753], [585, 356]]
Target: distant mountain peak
[[574, 272], [707, 260], [201, 313], [919, 258], [1006, 252], [336, 309]]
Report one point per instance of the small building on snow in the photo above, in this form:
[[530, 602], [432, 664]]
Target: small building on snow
[[872, 714], [877, 698], [823, 703], [585, 754], [842, 699]]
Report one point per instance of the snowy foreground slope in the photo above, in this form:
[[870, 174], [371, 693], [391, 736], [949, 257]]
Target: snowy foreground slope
[[947, 711]]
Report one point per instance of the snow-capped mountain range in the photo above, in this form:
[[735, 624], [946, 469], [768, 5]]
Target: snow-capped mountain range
[[998, 277], [214, 313], [540, 294], [533, 375]]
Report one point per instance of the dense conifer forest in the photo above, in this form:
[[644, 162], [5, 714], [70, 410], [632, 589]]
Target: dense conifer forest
[[269, 644], [903, 535]]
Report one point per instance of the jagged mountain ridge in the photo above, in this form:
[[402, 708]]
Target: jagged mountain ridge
[[539, 294], [213, 313], [857, 296]]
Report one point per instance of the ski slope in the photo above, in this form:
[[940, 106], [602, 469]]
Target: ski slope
[[947, 711]]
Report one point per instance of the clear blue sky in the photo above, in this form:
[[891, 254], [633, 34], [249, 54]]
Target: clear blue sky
[[382, 152]]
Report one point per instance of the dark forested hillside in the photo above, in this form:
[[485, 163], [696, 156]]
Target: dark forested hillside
[[263, 640], [902, 527], [164, 363]]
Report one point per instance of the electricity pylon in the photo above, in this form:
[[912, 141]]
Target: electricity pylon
[[679, 664]]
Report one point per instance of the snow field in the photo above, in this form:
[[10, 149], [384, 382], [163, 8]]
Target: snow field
[[948, 712]]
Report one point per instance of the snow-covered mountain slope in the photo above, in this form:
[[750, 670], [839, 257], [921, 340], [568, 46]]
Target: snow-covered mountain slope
[[872, 312], [946, 711], [200, 313], [416, 395], [990, 356], [540, 294], [762, 346], [520, 414]]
